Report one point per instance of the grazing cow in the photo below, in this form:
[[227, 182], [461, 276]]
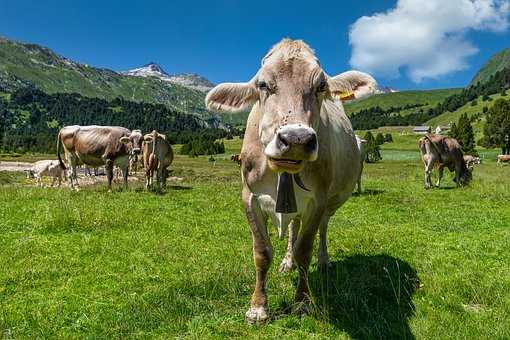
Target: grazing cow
[[300, 161], [503, 159], [98, 145], [471, 161], [362, 146], [50, 168], [444, 152], [157, 157], [236, 158]]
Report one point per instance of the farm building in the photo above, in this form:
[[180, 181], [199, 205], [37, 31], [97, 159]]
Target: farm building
[[422, 130]]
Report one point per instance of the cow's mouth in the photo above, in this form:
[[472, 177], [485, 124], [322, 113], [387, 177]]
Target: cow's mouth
[[287, 165]]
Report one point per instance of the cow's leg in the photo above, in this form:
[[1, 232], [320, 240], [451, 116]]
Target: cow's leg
[[429, 165], [323, 262], [109, 173], [440, 172], [288, 263], [359, 179], [59, 180], [125, 173], [302, 257], [262, 256]]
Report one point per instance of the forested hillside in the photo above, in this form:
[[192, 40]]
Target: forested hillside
[[24, 65], [30, 118]]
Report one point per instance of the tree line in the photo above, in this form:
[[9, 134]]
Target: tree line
[[31, 119]]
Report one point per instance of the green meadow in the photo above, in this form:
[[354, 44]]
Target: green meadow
[[407, 262]]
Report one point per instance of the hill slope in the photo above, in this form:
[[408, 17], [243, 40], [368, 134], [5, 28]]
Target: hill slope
[[29, 64], [400, 99], [497, 62]]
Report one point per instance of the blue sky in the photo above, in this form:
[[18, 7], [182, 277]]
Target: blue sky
[[225, 40]]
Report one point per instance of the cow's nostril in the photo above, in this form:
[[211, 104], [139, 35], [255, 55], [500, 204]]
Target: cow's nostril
[[311, 144], [283, 141]]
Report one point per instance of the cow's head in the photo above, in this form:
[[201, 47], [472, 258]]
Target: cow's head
[[289, 90], [133, 142]]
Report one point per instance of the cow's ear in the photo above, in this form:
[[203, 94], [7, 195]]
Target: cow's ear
[[232, 97], [124, 140], [352, 85], [147, 138]]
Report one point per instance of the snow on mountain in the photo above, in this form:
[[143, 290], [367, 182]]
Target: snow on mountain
[[189, 80]]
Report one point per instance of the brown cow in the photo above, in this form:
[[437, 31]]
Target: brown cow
[[98, 145], [503, 159], [444, 152], [300, 160], [157, 157], [471, 161], [236, 158]]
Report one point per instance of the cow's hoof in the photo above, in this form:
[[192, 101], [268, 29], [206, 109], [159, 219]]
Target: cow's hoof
[[286, 266], [256, 315]]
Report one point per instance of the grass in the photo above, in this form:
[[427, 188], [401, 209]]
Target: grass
[[407, 263]]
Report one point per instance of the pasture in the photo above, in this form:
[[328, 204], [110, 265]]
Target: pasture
[[407, 263]]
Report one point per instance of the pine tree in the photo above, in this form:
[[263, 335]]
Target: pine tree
[[379, 139], [464, 134]]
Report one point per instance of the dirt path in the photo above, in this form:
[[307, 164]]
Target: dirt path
[[15, 166]]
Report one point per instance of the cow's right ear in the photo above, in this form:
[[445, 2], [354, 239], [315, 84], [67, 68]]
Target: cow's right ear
[[124, 140], [147, 138], [232, 97]]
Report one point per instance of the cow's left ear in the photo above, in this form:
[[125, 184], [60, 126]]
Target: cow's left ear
[[124, 140], [351, 85]]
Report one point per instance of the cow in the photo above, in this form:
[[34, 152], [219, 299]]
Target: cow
[[300, 160], [98, 145], [503, 159], [471, 161], [157, 157], [236, 158], [50, 168], [444, 152], [362, 146]]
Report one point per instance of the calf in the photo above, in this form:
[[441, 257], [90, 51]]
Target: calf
[[300, 160], [49, 168], [471, 161]]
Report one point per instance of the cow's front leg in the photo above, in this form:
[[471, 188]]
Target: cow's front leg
[[125, 173], [302, 256], [428, 170], [323, 262], [109, 173], [262, 256], [288, 263]]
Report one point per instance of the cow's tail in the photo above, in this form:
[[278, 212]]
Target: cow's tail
[[59, 141]]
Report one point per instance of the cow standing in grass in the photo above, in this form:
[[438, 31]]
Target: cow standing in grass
[[300, 160], [98, 145], [157, 157], [442, 151]]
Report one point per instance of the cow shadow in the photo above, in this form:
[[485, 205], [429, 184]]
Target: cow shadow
[[369, 192], [367, 296]]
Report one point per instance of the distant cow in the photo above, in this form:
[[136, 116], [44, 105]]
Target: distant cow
[[157, 157], [471, 161], [236, 158], [362, 146], [49, 168], [503, 159], [98, 145], [444, 152], [300, 161]]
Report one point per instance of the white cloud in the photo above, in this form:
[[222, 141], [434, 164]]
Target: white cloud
[[426, 38]]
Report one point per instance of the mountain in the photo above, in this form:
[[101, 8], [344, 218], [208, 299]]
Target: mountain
[[23, 65], [189, 80], [497, 62]]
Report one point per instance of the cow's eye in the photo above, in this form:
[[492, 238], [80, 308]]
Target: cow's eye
[[322, 86], [262, 85]]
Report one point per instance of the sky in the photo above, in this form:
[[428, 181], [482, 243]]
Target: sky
[[405, 44]]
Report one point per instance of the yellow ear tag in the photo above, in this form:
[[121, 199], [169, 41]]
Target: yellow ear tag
[[344, 96]]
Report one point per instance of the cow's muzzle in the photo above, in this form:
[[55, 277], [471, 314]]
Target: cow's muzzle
[[135, 151], [291, 146]]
